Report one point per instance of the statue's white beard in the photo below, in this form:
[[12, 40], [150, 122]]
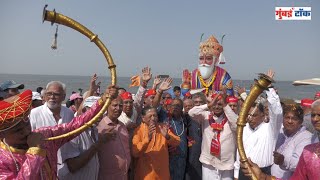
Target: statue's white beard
[[206, 70]]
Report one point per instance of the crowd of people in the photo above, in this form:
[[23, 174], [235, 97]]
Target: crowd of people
[[160, 132]]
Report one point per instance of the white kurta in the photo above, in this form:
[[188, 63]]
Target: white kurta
[[222, 166], [79, 145], [43, 117], [259, 143]]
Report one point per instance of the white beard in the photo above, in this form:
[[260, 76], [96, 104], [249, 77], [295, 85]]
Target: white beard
[[53, 105], [206, 70]]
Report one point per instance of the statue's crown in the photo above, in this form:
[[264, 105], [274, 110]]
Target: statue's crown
[[210, 47]]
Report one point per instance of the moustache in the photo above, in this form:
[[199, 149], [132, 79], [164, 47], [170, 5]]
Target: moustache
[[204, 65], [52, 102]]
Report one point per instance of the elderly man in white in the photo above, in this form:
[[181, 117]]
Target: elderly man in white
[[52, 113], [218, 146], [259, 138]]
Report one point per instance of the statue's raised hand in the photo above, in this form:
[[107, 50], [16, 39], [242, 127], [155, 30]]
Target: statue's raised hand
[[186, 76]]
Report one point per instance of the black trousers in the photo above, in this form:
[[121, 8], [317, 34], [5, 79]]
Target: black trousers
[[266, 170]]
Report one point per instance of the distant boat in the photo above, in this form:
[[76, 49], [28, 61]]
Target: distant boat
[[313, 81]]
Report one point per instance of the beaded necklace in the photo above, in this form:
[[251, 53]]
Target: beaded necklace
[[175, 127]]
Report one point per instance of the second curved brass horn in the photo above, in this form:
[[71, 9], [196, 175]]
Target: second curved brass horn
[[258, 87], [54, 17]]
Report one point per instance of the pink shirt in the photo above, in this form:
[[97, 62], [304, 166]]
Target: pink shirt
[[309, 163], [114, 155]]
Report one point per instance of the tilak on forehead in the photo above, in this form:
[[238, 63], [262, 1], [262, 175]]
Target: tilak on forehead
[[14, 109], [210, 47]]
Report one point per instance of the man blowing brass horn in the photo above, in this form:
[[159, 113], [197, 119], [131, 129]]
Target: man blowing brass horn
[[26, 154]]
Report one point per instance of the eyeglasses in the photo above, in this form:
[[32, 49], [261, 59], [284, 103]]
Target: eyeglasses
[[52, 94]]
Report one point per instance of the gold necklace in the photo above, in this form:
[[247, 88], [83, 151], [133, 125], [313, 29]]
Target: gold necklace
[[204, 84]]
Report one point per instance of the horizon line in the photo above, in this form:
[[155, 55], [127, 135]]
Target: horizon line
[[109, 76]]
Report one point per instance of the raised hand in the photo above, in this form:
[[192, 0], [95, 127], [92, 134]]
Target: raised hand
[[186, 76], [156, 82], [93, 85], [164, 130], [209, 96], [270, 73], [152, 130], [240, 90], [214, 100], [146, 74], [166, 84], [35, 139], [223, 95], [111, 91]]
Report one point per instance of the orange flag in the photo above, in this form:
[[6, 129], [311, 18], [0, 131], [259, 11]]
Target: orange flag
[[135, 81]]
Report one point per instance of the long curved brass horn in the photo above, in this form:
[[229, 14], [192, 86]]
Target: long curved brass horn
[[54, 17], [258, 87]]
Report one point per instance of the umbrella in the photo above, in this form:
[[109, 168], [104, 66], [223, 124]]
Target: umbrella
[[313, 81]]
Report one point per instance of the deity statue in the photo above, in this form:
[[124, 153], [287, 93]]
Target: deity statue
[[208, 75]]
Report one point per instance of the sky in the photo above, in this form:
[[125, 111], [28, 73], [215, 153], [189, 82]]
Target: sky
[[163, 35]]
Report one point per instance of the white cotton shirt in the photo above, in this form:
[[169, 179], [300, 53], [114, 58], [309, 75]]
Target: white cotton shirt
[[259, 143], [43, 117], [291, 148], [77, 146], [227, 138]]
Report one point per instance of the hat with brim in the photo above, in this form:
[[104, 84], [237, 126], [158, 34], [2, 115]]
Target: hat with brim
[[75, 96], [14, 109], [88, 102], [9, 84]]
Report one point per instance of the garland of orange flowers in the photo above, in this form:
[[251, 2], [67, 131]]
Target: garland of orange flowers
[[204, 84]]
